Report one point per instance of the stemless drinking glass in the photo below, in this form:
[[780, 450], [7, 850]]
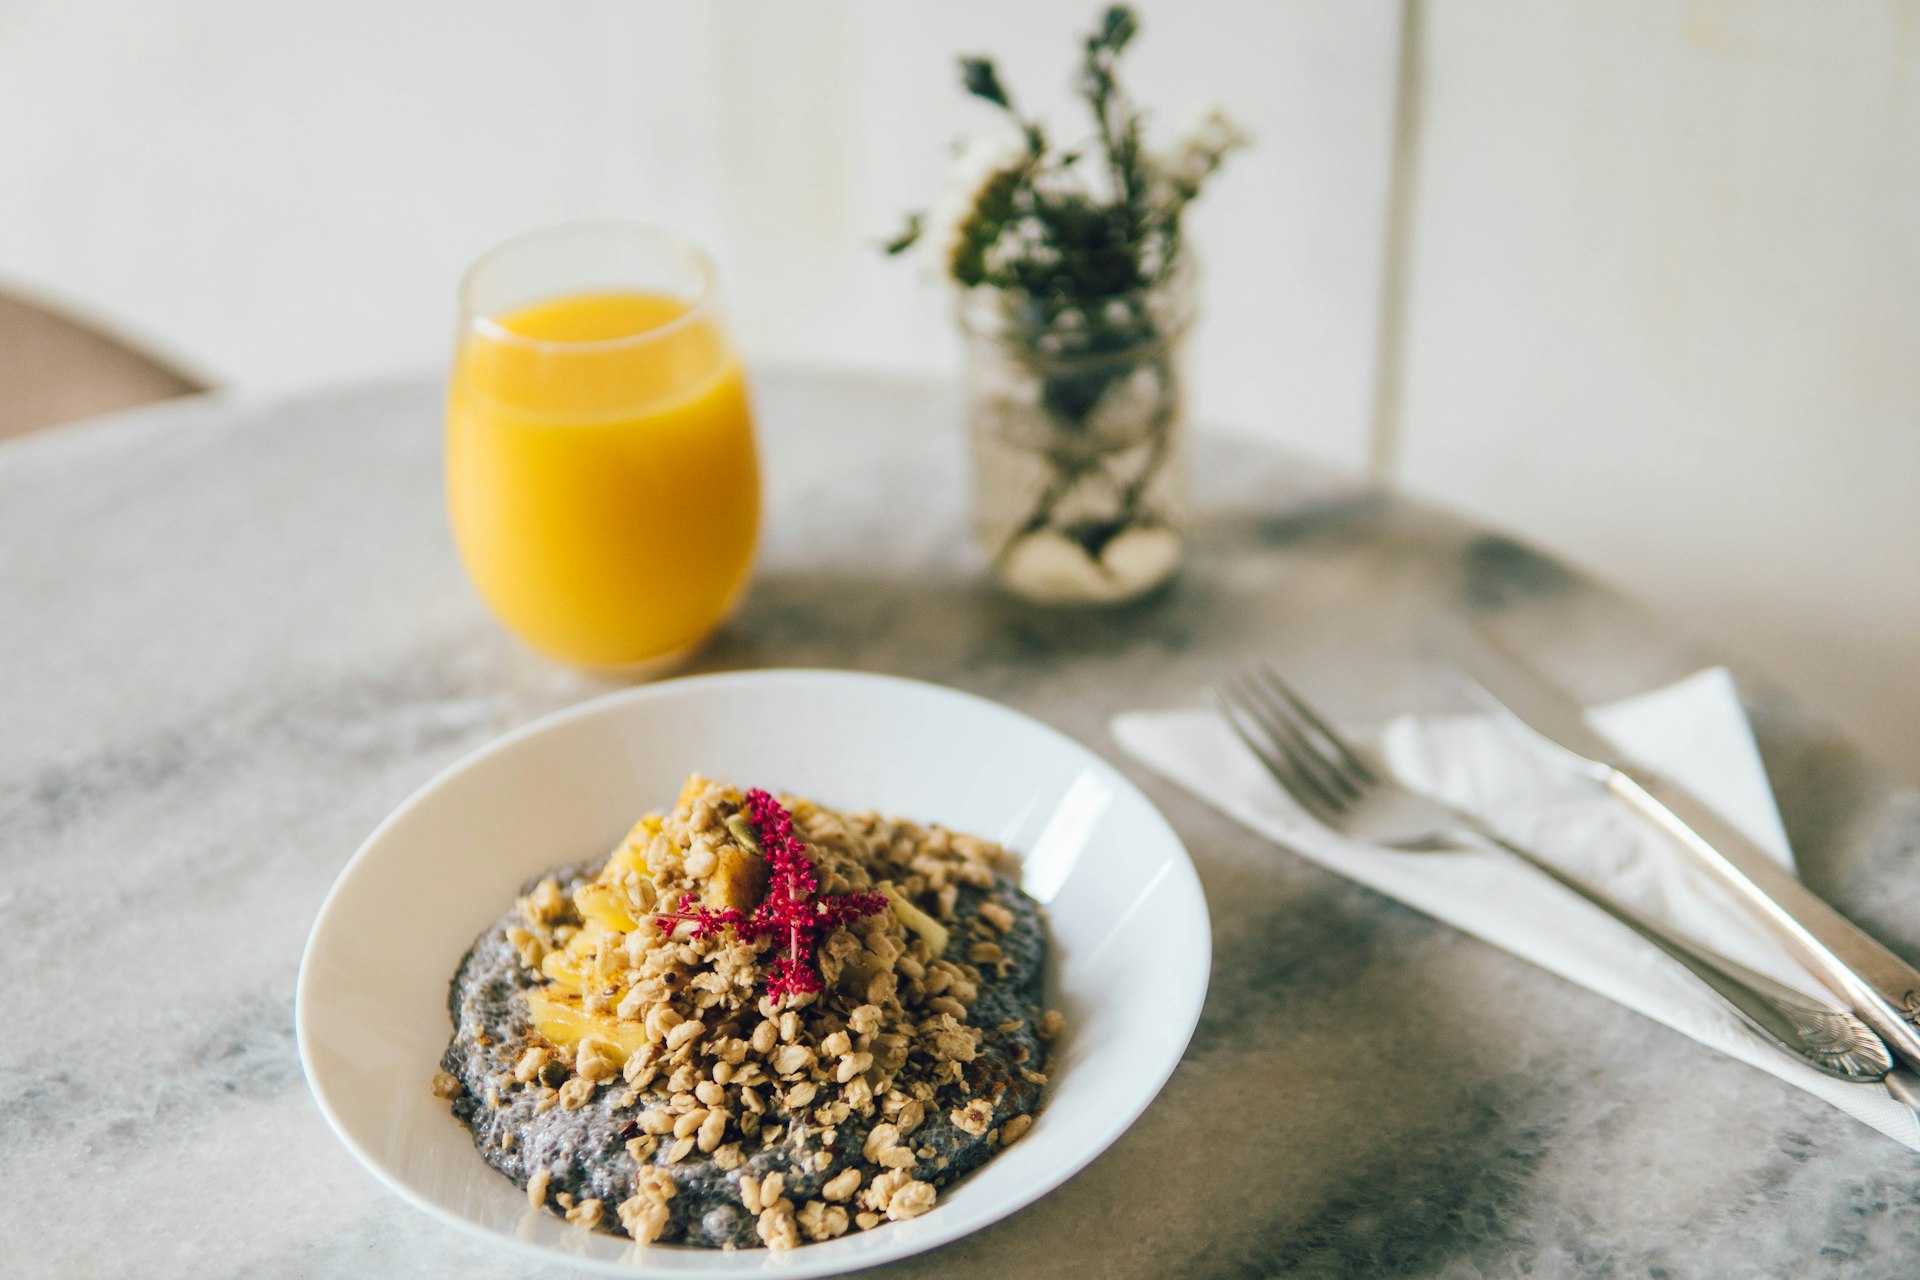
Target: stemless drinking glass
[[602, 479]]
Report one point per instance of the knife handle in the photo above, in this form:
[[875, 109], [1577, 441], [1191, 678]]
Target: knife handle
[[1881, 987]]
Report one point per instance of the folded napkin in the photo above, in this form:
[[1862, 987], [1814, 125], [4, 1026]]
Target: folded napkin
[[1693, 731]]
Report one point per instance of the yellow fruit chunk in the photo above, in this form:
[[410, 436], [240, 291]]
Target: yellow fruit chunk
[[917, 920], [592, 939], [690, 790], [602, 905], [561, 969], [559, 1017], [739, 881], [631, 853]]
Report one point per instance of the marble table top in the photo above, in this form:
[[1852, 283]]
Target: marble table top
[[233, 635]]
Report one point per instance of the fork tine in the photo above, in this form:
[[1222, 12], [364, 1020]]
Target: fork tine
[[1252, 731], [1285, 738], [1310, 794], [1352, 760], [1285, 727]]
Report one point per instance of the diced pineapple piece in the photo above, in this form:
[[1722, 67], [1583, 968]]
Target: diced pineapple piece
[[562, 969], [631, 853], [739, 881], [604, 906], [559, 1017], [915, 919], [591, 959]]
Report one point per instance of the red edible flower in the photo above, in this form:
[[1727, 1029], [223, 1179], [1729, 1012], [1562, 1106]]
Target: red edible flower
[[794, 907]]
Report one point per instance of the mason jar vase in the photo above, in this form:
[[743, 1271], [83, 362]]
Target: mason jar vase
[[1077, 414]]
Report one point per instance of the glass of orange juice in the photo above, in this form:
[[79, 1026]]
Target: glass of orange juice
[[602, 479]]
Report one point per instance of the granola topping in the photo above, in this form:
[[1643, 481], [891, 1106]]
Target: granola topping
[[764, 1081]]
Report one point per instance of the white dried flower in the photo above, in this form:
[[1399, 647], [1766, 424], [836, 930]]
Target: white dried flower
[[1195, 153], [980, 162]]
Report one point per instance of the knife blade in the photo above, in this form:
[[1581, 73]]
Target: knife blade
[[1879, 986]]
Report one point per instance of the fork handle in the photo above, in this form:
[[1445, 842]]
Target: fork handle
[[1827, 1038]]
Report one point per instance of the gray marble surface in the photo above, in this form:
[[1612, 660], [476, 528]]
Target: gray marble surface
[[233, 635]]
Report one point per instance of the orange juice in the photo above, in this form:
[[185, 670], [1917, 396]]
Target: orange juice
[[601, 474]]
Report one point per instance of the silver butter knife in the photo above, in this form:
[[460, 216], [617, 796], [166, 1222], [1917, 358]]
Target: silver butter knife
[[1879, 986]]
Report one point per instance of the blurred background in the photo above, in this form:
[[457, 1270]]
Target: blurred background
[[1636, 279]]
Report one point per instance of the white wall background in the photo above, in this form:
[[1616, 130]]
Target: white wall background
[[1662, 257], [287, 192], [1664, 316]]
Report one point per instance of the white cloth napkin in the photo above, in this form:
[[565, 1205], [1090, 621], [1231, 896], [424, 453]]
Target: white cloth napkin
[[1693, 731]]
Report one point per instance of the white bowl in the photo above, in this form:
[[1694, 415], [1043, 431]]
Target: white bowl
[[1130, 934]]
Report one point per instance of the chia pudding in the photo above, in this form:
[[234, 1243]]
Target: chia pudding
[[760, 1022]]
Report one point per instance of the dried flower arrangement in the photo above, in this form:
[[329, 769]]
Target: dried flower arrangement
[[1022, 214], [1077, 288]]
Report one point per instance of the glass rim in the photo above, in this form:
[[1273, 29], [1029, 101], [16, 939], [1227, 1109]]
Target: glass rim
[[698, 307]]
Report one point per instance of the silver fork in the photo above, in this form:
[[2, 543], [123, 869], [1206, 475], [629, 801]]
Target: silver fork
[[1330, 780]]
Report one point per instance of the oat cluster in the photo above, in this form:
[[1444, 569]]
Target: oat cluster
[[642, 993]]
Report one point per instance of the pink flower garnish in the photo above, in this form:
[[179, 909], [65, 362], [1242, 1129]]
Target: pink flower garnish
[[705, 920], [794, 907]]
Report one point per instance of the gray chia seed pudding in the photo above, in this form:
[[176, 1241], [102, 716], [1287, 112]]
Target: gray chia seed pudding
[[760, 1022]]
